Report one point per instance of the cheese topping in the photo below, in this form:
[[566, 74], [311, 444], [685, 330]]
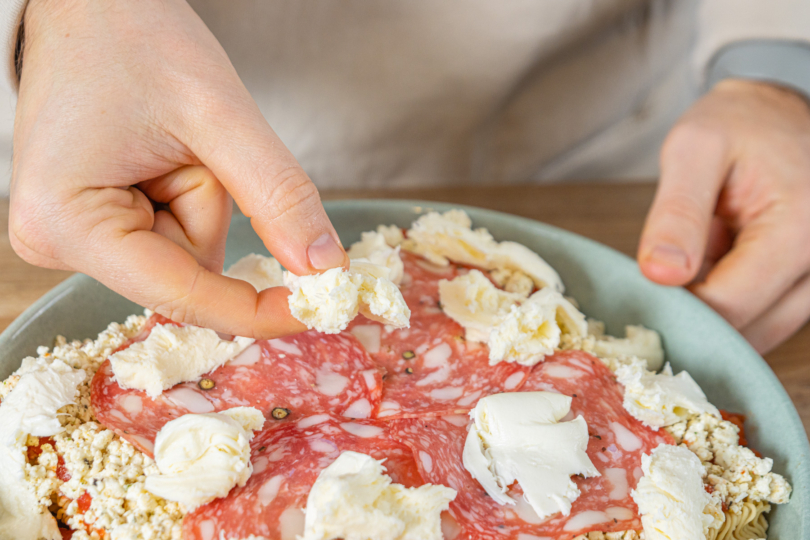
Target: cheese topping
[[329, 301], [30, 408], [392, 234], [519, 437], [353, 499], [171, 355], [531, 331], [671, 498], [441, 238], [201, 457], [475, 303], [260, 271], [374, 248], [639, 341], [660, 400]]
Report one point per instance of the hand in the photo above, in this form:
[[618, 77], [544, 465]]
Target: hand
[[126, 104], [732, 211]]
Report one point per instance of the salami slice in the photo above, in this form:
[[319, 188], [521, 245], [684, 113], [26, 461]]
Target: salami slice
[[287, 379], [430, 368], [616, 444], [286, 462]]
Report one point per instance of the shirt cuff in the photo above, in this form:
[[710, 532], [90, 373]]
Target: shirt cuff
[[785, 63]]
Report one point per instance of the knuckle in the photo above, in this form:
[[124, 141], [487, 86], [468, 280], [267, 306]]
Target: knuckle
[[27, 231], [292, 193], [686, 136]]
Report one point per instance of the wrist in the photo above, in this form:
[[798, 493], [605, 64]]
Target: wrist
[[769, 92]]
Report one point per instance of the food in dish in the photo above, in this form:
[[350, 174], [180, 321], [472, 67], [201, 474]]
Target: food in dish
[[401, 393]]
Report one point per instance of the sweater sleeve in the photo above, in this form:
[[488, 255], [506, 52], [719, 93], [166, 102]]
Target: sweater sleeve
[[10, 13], [752, 39]]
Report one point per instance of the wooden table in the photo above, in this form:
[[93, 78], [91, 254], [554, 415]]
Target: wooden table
[[609, 213]]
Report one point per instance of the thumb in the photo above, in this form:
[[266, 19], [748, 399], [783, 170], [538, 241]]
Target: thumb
[[694, 165], [245, 154]]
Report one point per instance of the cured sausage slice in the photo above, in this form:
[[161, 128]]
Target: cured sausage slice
[[286, 462], [616, 444], [287, 379], [430, 368]]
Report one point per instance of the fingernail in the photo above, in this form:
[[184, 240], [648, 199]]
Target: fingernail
[[325, 253], [669, 255]]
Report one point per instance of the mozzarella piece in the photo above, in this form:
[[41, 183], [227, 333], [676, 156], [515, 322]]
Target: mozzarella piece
[[660, 400], [518, 258], [392, 234], [441, 238], [671, 498], [260, 271], [171, 355], [31, 409], [639, 341], [475, 303], [329, 301], [353, 499], [519, 437], [201, 457], [374, 248]]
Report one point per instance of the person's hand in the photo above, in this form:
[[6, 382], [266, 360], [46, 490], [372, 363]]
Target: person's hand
[[132, 128], [732, 212]]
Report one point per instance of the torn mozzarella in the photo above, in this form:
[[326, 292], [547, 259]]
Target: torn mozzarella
[[353, 498], [514, 432], [638, 341], [660, 399], [172, 355], [260, 271], [329, 301], [374, 248], [201, 457]]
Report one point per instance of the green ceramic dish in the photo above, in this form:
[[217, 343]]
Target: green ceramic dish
[[607, 285]]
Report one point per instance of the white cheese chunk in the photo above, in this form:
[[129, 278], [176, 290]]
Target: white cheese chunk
[[661, 399], [260, 271], [639, 341], [329, 301], [531, 331], [441, 238], [171, 355], [475, 303], [201, 457], [519, 437], [671, 498], [392, 234], [374, 248], [353, 499], [31, 408]]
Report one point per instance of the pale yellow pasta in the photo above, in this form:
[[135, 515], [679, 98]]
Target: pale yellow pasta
[[747, 524]]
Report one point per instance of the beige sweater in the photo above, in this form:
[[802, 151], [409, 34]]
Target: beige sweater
[[422, 92]]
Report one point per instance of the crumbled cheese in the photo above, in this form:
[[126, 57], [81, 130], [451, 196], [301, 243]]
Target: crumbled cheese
[[113, 474], [260, 271], [475, 303], [671, 498], [531, 331], [441, 238], [659, 400], [374, 248], [201, 457], [735, 473], [638, 341], [513, 432], [329, 301], [354, 499], [513, 281], [172, 355]]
